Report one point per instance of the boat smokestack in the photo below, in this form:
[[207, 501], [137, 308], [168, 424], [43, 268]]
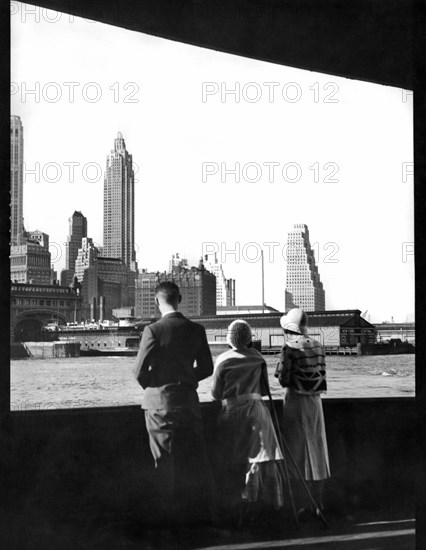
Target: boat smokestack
[[101, 308], [93, 309]]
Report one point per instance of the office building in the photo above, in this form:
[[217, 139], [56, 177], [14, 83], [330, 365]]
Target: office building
[[303, 286], [30, 260], [225, 288], [106, 283], [119, 206], [197, 287], [77, 231], [177, 262], [145, 306], [196, 284]]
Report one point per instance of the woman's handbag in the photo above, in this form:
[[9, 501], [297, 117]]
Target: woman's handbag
[[283, 370]]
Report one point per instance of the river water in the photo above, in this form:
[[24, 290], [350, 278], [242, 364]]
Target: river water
[[108, 381]]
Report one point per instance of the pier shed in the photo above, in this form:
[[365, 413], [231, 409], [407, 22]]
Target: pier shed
[[341, 328], [334, 328]]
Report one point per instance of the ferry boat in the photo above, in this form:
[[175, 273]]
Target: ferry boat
[[102, 338]]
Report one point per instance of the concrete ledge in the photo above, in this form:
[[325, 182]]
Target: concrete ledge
[[97, 462]]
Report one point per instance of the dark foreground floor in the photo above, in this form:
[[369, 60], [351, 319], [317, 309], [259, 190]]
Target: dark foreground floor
[[367, 530]]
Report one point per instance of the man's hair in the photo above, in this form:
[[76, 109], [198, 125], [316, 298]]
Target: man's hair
[[169, 292]]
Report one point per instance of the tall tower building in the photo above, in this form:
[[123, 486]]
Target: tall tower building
[[303, 286], [225, 288], [16, 179], [119, 205], [77, 232]]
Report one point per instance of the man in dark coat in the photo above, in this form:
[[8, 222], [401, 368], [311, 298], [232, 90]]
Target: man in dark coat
[[173, 357]]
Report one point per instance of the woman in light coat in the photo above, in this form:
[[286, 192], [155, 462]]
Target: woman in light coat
[[252, 466]]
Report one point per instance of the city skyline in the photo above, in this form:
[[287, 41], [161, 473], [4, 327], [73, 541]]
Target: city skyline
[[224, 251], [364, 249]]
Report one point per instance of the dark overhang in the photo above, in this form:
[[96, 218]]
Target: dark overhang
[[368, 40]]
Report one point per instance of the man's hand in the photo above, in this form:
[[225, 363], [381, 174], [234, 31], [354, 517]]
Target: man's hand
[[142, 363]]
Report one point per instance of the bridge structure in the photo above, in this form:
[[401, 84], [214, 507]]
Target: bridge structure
[[32, 306]]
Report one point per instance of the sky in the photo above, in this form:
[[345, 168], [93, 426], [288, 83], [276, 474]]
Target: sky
[[218, 170]]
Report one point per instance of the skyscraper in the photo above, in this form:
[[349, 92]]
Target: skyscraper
[[16, 179], [119, 205], [303, 286], [77, 231]]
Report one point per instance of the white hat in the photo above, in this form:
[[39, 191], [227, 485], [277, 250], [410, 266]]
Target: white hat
[[296, 320]]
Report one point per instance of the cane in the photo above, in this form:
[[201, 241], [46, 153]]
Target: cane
[[277, 429], [283, 444]]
